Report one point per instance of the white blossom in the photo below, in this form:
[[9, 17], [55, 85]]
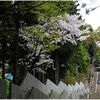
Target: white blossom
[[83, 38], [72, 25], [68, 27]]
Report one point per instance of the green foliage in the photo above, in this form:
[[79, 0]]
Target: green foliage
[[81, 58], [54, 8], [32, 13], [43, 39], [78, 56], [8, 86], [97, 57], [87, 26], [70, 79]]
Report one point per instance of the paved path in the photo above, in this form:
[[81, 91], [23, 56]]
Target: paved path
[[97, 94], [95, 88]]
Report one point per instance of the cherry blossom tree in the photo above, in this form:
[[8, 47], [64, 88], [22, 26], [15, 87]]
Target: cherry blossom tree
[[55, 31], [40, 45], [69, 28], [44, 38]]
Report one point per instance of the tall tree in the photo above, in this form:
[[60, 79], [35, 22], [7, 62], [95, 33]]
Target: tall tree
[[35, 11]]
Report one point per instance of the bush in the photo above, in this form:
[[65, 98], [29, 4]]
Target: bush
[[70, 79]]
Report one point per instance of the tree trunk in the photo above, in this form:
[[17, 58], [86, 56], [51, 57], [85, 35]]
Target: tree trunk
[[35, 60], [3, 57], [43, 76], [56, 64], [16, 50], [15, 58], [43, 79], [40, 76]]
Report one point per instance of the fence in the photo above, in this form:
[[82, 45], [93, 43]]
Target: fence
[[32, 88]]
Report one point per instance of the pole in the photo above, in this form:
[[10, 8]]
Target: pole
[[77, 72]]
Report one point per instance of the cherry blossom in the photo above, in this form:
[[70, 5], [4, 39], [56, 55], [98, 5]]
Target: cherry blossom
[[68, 27]]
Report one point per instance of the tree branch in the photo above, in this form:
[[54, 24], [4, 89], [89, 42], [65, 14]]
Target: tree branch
[[22, 10], [6, 9], [35, 60]]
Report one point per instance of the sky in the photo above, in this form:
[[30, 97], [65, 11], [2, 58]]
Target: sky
[[94, 16]]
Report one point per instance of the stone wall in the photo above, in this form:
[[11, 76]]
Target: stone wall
[[3, 86], [16, 91], [32, 88]]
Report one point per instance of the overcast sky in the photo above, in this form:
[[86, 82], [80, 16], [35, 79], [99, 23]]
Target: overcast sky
[[94, 17]]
